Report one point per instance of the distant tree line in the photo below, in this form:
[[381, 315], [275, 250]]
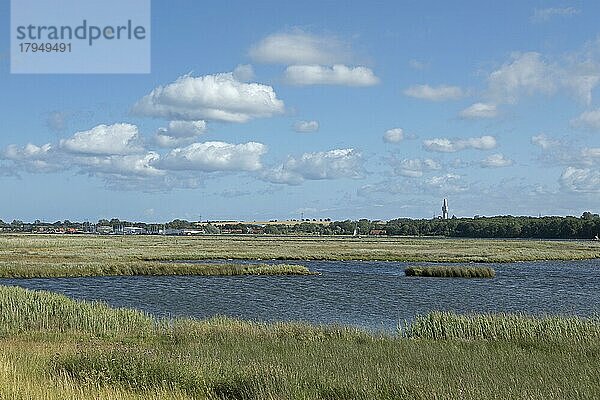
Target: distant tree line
[[585, 227]]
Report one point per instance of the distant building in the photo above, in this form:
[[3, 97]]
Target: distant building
[[104, 229], [445, 209], [133, 230], [191, 232]]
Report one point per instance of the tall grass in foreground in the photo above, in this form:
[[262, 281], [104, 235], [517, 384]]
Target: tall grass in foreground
[[451, 272], [24, 310], [57, 348], [446, 325]]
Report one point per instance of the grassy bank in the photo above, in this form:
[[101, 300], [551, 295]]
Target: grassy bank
[[24, 270], [57, 348], [451, 272]]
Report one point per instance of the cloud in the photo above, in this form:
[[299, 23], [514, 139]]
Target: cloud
[[524, 74], [57, 121], [243, 72], [338, 74], [166, 141], [431, 93], [219, 97], [27, 152], [588, 120], [215, 156], [564, 152], [186, 128], [581, 180], [299, 47], [496, 161], [306, 126], [528, 74], [591, 153], [546, 14], [415, 168], [333, 164], [394, 135], [312, 59], [114, 139], [443, 145], [136, 164], [544, 141], [479, 110], [447, 183], [32, 158], [439, 185], [114, 154], [179, 133]]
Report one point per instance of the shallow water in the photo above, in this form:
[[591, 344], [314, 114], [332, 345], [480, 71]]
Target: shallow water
[[373, 295]]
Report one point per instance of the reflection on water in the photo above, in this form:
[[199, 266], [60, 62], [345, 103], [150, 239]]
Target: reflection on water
[[374, 295]]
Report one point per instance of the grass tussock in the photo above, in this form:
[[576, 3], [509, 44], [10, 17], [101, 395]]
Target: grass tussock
[[25, 311], [451, 272], [508, 327], [148, 268], [57, 348]]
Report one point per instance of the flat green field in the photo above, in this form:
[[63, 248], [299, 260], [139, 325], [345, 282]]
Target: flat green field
[[57, 348], [83, 255]]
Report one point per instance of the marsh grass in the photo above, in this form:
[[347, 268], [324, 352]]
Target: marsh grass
[[25, 311], [508, 327], [147, 268], [451, 272], [83, 251], [57, 348]]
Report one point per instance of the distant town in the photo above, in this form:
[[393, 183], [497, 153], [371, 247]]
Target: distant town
[[586, 226]]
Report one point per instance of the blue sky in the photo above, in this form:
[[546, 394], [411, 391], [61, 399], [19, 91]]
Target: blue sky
[[260, 110]]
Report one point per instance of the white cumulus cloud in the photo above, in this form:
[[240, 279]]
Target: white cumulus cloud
[[394, 135], [524, 74], [215, 156], [243, 72], [306, 126], [479, 110], [186, 128], [581, 180], [444, 145], [179, 133], [332, 164], [32, 158], [415, 168], [134, 164], [337, 74], [113, 139], [496, 161], [434, 93], [219, 97], [300, 47], [443, 184]]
